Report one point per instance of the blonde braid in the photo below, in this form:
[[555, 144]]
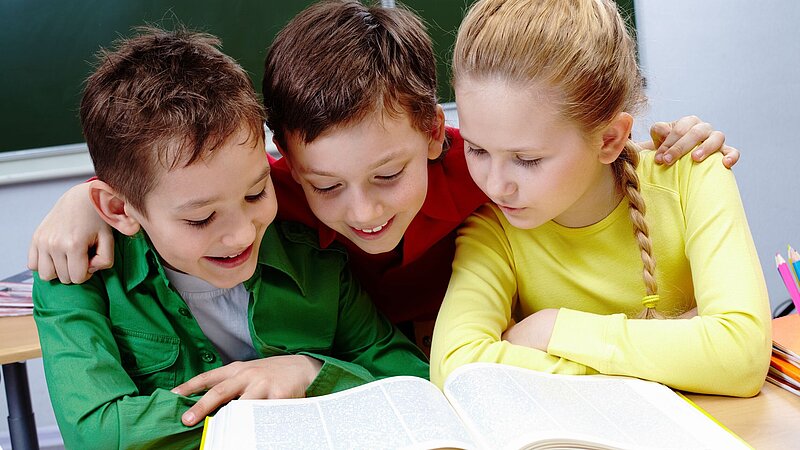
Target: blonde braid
[[628, 184]]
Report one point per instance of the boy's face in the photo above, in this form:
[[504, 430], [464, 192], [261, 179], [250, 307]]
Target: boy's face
[[207, 219], [368, 180]]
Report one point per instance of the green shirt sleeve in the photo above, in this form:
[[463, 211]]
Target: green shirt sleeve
[[366, 346], [95, 400]]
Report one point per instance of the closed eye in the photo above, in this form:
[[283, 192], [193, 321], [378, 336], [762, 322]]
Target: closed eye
[[201, 223], [528, 162], [391, 177], [325, 190], [254, 198], [476, 151]]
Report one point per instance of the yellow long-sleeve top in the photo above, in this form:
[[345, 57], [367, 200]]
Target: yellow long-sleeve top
[[704, 256]]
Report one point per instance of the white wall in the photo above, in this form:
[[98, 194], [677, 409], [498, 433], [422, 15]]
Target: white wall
[[735, 64]]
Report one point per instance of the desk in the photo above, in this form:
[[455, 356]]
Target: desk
[[19, 342], [770, 420], [767, 421]]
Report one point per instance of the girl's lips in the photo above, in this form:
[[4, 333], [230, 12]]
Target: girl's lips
[[375, 234], [509, 210], [230, 263]]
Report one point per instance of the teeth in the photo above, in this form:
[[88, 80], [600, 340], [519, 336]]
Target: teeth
[[372, 230]]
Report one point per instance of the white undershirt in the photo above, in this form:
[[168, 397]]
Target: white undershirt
[[221, 314]]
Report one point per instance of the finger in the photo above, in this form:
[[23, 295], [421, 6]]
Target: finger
[[689, 140], [658, 132], [33, 256], [205, 380], [47, 270], [104, 254], [678, 129], [731, 156], [217, 396], [713, 143], [62, 268], [77, 266]]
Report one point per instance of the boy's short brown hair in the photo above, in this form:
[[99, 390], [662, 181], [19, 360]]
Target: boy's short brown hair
[[338, 61], [163, 98]]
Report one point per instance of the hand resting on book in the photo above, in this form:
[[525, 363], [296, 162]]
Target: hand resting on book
[[274, 377]]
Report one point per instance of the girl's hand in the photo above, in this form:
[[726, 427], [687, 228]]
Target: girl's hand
[[674, 139], [534, 331], [274, 377], [72, 241]]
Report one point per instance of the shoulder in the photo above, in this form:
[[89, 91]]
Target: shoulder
[[685, 174]]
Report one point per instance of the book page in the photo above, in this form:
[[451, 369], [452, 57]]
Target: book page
[[510, 407], [394, 413]]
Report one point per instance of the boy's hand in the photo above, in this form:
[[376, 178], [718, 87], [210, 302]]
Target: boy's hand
[[275, 377], [533, 331], [675, 139], [63, 241]]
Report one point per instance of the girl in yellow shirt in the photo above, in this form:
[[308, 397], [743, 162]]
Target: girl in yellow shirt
[[564, 272]]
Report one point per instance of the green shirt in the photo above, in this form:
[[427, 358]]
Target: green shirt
[[114, 346]]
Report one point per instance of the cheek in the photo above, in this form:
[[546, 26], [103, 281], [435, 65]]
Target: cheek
[[477, 170]]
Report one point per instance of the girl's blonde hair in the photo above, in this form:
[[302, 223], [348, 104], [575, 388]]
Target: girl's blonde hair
[[583, 50]]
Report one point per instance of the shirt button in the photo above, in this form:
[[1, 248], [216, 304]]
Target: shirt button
[[184, 312], [207, 356]]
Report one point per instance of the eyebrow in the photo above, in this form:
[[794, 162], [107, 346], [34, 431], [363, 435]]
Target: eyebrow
[[199, 203], [511, 150], [383, 161]]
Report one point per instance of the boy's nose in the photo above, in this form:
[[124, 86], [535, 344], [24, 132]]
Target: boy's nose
[[364, 210], [240, 235]]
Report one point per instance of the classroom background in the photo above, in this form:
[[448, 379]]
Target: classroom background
[[734, 63]]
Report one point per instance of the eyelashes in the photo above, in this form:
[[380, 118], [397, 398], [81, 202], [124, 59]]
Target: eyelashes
[[479, 152], [208, 220]]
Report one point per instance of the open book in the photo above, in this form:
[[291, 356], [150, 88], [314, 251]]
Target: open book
[[484, 406]]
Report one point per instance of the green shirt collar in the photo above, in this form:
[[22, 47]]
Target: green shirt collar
[[138, 257]]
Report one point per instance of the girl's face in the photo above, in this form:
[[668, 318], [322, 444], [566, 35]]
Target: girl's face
[[366, 181], [535, 165]]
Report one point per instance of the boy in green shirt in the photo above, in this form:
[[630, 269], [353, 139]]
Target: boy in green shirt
[[202, 276]]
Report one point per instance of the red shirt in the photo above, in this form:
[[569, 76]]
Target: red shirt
[[411, 288]]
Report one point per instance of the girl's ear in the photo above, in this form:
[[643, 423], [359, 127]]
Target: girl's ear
[[437, 135], [112, 208], [615, 136]]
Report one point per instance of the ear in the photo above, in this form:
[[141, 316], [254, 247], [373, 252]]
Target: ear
[[437, 135], [112, 208], [615, 136]]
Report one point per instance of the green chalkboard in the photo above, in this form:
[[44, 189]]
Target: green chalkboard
[[47, 49]]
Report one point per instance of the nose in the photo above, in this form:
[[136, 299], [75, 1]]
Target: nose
[[365, 207], [240, 232], [498, 182]]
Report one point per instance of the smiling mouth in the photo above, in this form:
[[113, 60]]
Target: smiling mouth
[[372, 233], [373, 230], [229, 262]]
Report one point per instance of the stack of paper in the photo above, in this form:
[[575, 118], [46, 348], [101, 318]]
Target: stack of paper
[[16, 295], [784, 366]]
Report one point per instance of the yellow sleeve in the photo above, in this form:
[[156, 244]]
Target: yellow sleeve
[[478, 304], [725, 350]]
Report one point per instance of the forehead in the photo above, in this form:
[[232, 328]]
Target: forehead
[[227, 170], [500, 114], [375, 138]]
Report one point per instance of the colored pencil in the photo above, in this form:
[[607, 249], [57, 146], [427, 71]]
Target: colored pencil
[[794, 263], [791, 286]]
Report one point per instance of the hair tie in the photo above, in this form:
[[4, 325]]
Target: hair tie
[[650, 301]]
